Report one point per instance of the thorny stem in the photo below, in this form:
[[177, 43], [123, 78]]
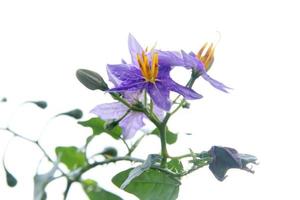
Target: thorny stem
[[111, 160]]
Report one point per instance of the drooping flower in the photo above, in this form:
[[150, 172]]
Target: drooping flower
[[225, 158], [150, 71], [201, 62]]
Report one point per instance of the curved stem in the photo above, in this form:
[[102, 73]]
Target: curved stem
[[36, 143]]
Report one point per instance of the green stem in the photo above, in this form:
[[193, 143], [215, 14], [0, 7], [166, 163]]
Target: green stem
[[180, 157], [111, 160], [134, 146], [69, 183], [37, 144], [164, 152], [189, 84], [127, 146], [120, 99]]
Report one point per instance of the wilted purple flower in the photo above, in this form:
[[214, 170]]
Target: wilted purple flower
[[224, 158], [201, 63], [150, 71]]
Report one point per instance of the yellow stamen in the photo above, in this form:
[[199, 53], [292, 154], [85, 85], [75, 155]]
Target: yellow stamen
[[201, 51], [149, 73], [154, 68], [208, 57], [142, 66]]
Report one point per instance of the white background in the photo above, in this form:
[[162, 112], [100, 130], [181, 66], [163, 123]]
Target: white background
[[43, 43]]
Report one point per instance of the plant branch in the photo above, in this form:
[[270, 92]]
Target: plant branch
[[126, 144], [36, 143], [137, 142], [111, 160], [69, 184]]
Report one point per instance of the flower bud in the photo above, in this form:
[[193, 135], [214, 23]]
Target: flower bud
[[91, 80], [110, 152]]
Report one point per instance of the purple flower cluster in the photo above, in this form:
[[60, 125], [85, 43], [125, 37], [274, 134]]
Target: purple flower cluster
[[149, 71]]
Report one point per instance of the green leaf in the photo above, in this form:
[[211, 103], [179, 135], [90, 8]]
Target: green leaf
[[98, 127], [10, 179], [150, 185], [72, 157], [171, 137], [175, 165], [91, 80], [94, 192], [76, 113], [40, 183], [137, 171]]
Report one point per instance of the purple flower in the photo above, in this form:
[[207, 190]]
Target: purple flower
[[150, 71], [225, 158], [133, 121], [201, 63]]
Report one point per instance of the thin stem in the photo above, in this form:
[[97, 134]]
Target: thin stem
[[120, 99], [189, 84], [182, 156], [137, 142], [151, 106], [121, 118], [189, 171], [20, 136], [111, 160], [36, 143], [69, 183], [127, 146], [145, 98]]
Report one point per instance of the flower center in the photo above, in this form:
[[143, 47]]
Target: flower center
[[206, 58], [149, 70]]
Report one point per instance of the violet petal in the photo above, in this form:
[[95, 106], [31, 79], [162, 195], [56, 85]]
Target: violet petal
[[131, 124], [134, 48], [160, 95], [110, 111], [186, 92]]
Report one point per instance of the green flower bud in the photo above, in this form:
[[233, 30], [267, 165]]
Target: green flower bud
[[91, 80]]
